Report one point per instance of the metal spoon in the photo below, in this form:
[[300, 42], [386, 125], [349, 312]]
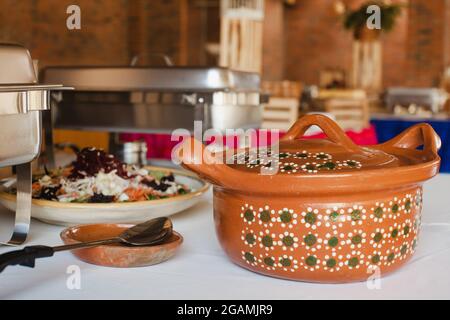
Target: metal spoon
[[152, 232]]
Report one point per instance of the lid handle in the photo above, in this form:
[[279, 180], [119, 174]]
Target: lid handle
[[328, 126], [416, 136]]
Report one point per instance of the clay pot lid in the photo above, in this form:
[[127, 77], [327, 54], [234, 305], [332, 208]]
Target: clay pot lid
[[312, 157], [322, 166], [335, 155]]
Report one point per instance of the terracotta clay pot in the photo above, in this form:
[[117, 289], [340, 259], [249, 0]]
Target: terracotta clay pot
[[321, 210]]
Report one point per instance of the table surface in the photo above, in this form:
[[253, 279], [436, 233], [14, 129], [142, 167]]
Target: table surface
[[201, 270]]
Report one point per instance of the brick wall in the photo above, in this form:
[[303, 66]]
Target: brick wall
[[41, 27], [299, 41], [447, 35], [112, 32], [316, 40], [427, 41], [274, 41]]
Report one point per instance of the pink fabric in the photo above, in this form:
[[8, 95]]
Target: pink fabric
[[367, 136], [160, 145]]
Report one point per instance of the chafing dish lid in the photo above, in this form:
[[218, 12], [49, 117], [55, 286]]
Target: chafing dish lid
[[184, 79], [16, 65], [19, 91]]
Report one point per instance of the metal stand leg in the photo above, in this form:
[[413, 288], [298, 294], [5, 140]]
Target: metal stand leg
[[23, 206], [49, 154]]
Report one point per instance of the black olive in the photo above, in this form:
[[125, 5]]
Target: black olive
[[49, 193], [101, 198], [150, 183], [155, 185], [163, 187], [169, 178]]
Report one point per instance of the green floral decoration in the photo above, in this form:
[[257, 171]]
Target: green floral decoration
[[356, 20]]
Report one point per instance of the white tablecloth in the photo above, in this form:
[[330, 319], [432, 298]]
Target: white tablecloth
[[202, 271]]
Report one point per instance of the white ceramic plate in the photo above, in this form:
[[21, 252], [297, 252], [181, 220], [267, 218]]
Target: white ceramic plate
[[69, 214]]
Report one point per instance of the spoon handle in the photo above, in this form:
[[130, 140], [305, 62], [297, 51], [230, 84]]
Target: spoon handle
[[25, 257], [28, 255], [90, 244]]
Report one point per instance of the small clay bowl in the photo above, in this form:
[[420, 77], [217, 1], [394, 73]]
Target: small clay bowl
[[118, 255]]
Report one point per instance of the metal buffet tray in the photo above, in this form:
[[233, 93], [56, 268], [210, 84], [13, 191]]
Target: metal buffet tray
[[21, 104], [19, 99], [432, 99], [197, 79], [148, 99]]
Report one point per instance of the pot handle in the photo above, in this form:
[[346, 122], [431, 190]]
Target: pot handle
[[416, 136], [328, 126], [210, 166]]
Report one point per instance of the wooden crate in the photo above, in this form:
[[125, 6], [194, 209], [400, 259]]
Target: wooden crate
[[241, 34], [349, 107], [280, 113]]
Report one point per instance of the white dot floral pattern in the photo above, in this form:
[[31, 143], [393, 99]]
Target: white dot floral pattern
[[293, 162], [267, 261], [378, 212], [333, 239], [248, 214], [267, 216], [287, 217], [288, 241], [312, 167], [322, 156], [287, 263], [302, 155], [288, 167]]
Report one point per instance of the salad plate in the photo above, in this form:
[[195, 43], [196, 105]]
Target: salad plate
[[112, 193]]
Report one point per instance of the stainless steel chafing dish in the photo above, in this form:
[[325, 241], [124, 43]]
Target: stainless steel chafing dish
[[21, 102], [412, 100], [155, 99]]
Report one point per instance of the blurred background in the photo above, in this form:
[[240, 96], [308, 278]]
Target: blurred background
[[312, 55], [301, 37]]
